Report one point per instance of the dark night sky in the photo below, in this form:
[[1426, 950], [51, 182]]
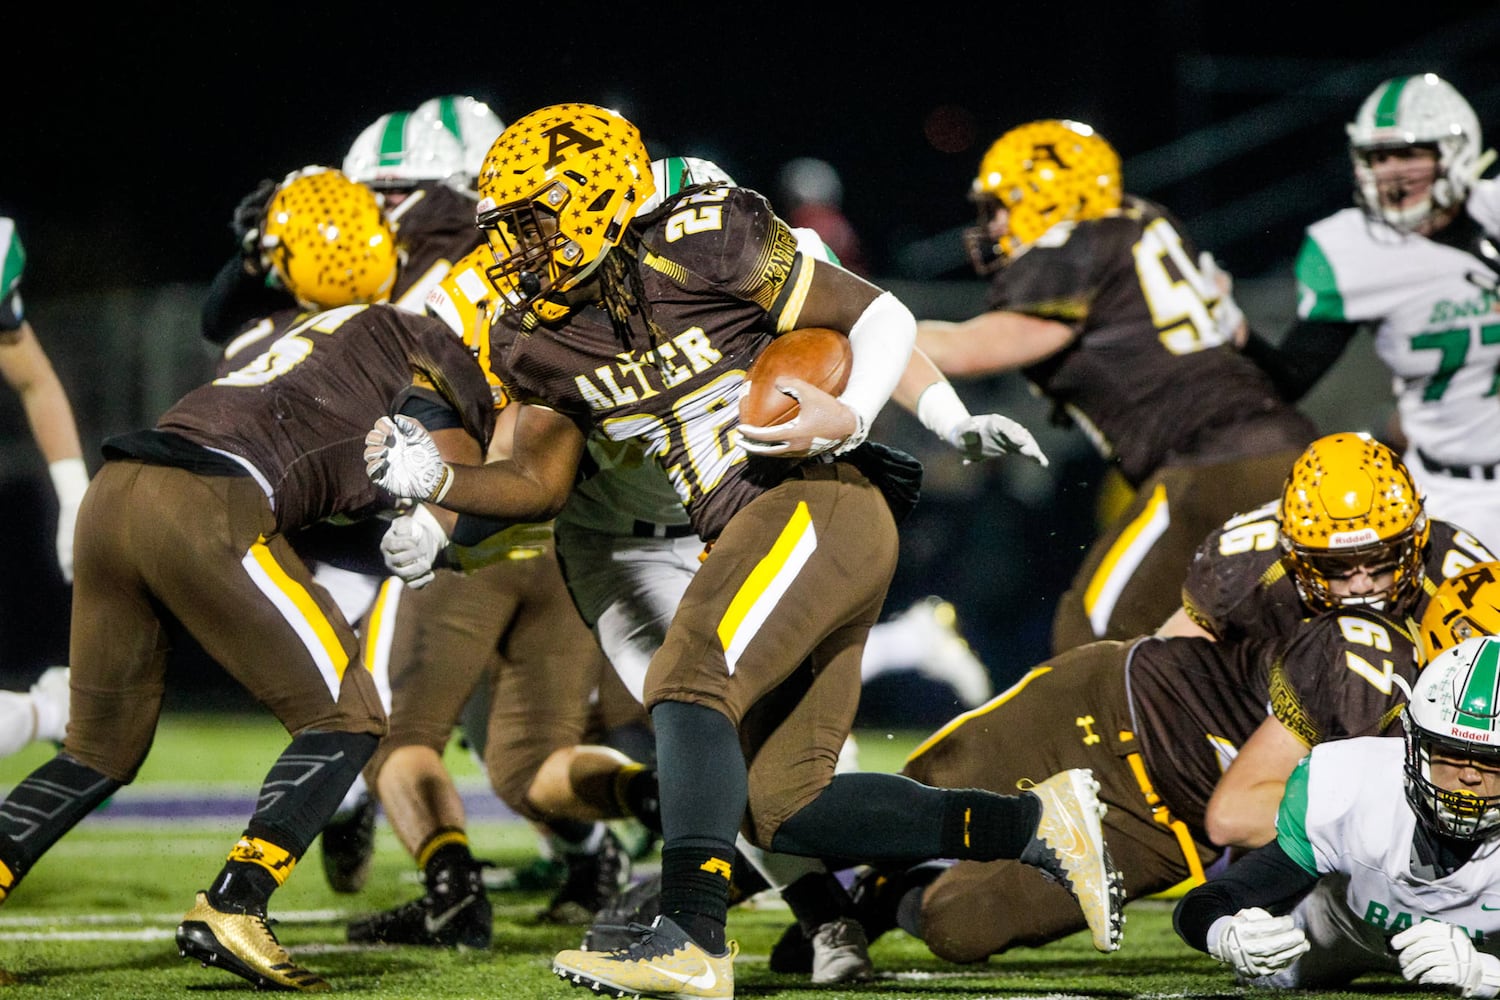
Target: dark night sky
[[130, 141]]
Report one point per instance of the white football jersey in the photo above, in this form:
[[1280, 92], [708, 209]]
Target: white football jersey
[[1346, 815], [1436, 316]]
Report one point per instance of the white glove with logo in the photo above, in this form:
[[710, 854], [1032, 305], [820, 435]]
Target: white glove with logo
[[989, 435], [70, 480], [411, 545], [1440, 954], [1256, 943], [400, 456]]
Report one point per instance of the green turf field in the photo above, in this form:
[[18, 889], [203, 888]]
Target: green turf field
[[97, 915]]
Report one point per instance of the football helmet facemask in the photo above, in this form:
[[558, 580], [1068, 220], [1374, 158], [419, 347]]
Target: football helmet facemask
[[401, 149], [1350, 502], [1454, 712], [466, 301], [556, 192], [1042, 173], [328, 241], [1463, 606], [469, 120], [1423, 110]]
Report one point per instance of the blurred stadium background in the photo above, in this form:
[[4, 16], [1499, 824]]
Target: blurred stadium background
[[1234, 119]]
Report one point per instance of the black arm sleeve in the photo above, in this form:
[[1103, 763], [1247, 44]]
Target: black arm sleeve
[[1266, 877], [1303, 356], [235, 298]]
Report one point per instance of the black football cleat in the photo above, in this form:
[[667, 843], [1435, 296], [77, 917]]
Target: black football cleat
[[454, 912]]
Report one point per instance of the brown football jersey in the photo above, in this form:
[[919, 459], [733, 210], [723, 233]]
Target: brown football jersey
[[1195, 701], [298, 412], [1147, 376], [1238, 586], [718, 269]]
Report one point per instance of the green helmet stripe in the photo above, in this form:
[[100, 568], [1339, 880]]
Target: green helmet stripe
[[448, 115], [672, 171], [393, 138], [12, 257], [1476, 707], [1385, 108]]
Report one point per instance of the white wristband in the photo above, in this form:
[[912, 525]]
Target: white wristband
[[940, 410], [70, 480]]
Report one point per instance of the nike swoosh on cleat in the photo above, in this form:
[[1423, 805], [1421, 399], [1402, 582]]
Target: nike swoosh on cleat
[[436, 922], [704, 980]]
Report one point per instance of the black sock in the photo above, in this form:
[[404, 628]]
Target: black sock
[[815, 899], [449, 857], [891, 818], [242, 888], [695, 892], [983, 826]]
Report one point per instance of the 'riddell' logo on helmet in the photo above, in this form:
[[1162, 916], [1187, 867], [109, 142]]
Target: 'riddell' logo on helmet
[[1471, 735], [1347, 539], [564, 136]]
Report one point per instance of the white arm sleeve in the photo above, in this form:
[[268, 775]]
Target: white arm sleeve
[[882, 339]]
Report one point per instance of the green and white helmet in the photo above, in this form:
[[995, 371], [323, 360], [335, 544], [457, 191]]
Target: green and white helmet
[[1454, 711], [675, 173], [400, 149], [1421, 110], [468, 119]]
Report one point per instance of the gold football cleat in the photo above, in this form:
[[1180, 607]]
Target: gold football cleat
[[242, 943], [661, 962], [1069, 848]]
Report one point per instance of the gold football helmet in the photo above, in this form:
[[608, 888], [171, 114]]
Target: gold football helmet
[[328, 240], [1349, 503], [1041, 173], [467, 302], [556, 192], [1463, 606]]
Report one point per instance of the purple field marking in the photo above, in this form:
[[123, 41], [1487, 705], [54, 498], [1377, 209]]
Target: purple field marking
[[124, 806]]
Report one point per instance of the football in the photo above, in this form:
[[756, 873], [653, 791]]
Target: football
[[817, 355]]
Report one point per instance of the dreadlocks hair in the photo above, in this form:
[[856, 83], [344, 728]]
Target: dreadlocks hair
[[624, 292]]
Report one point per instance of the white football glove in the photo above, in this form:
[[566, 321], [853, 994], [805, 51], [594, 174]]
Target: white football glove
[[1229, 320], [1256, 943], [818, 414], [989, 435], [401, 457], [1440, 954], [411, 545], [70, 480]]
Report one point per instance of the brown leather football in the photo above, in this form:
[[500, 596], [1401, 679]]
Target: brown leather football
[[814, 354]]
